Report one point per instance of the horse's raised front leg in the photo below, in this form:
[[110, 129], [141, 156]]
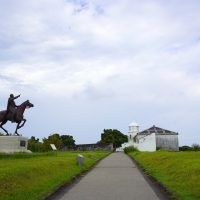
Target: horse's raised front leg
[[1, 126], [24, 121], [19, 126]]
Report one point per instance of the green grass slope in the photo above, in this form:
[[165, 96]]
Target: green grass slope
[[33, 176], [179, 172]]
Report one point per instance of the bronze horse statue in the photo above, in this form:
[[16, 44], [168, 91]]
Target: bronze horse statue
[[19, 118]]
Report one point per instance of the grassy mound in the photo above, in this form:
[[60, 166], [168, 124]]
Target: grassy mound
[[179, 172], [33, 176]]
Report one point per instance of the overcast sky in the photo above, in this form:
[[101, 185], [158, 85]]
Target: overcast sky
[[87, 65]]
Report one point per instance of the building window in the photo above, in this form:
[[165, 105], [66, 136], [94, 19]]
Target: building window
[[22, 143]]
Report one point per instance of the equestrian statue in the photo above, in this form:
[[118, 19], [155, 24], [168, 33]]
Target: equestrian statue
[[14, 113]]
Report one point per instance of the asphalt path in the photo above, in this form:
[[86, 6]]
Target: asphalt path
[[115, 178]]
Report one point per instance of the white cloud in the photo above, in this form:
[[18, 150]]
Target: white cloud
[[128, 52]]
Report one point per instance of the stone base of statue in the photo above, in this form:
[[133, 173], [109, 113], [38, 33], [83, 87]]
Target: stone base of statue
[[11, 144]]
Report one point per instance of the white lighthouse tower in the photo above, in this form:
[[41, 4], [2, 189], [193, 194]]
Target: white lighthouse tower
[[133, 130], [145, 143]]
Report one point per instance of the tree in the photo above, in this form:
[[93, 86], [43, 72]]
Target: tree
[[67, 140], [52, 139], [58, 141], [113, 136], [34, 144]]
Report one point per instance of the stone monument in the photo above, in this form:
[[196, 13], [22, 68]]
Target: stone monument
[[15, 114], [11, 144], [79, 159]]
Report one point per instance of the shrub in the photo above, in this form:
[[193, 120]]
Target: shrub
[[185, 148], [158, 148], [196, 147], [130, 149]]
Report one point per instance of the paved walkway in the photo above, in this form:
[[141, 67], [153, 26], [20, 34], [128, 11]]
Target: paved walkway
[[114, 178]]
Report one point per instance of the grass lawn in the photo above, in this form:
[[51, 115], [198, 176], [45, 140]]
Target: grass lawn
[[179, 172], [33, 176]]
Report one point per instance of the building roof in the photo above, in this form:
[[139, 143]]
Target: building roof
[[157, 131]]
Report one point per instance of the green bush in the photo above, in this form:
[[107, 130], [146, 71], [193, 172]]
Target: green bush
[[130, 149], [196, 147], [158, 148], [185, 148]]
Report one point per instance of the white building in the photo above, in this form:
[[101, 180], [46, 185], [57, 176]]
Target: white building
[[165, 139], [150, 139]]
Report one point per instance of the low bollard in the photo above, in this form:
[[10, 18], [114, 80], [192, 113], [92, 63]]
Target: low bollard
[[79, 159]]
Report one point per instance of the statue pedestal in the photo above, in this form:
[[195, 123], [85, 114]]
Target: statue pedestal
[[11, 144]]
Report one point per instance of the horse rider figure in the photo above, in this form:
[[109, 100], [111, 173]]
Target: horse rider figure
[[11, 107]]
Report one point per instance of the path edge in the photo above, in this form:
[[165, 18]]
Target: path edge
[[67, 185], [160, 190]]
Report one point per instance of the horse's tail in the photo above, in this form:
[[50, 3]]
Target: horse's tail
[[2, 114]]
